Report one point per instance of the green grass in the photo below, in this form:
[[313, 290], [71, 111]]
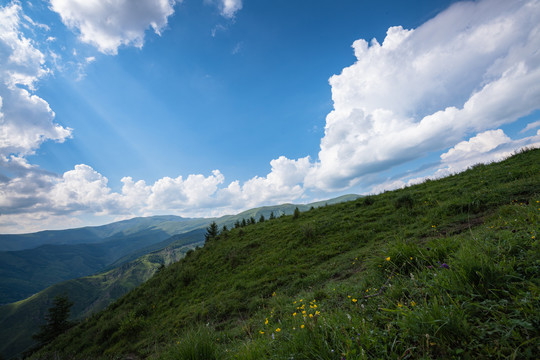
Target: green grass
[[444, 269]]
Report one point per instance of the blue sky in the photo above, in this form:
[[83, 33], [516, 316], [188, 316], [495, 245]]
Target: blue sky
[[206, 108]]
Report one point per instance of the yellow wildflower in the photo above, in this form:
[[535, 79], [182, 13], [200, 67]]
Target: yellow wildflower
[[388, 258], [266, 321], [278, 330], [261, 332], [413, 303], [293, 314], [302, 326], [354, 300], [310, 315]]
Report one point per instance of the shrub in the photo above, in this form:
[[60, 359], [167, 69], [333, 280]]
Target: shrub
[[404, 201]]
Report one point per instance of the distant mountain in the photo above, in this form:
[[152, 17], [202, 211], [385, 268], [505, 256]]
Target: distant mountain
[[167, 225], [18, 321]]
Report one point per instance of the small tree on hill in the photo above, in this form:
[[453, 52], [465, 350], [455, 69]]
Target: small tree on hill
[[211, 231], [272, 216], [57, 321], [296, 213], [261, 219]]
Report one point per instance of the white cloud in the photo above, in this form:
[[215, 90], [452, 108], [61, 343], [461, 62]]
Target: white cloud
[[474, 67], [110, 24], [531, 126], [26, 119], [230, 7], [486, 147], [83, 192]]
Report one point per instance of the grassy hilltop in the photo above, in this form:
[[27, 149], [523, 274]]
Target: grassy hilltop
[[444, 269]]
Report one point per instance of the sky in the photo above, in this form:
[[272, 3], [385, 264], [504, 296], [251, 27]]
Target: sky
[[111, 109]]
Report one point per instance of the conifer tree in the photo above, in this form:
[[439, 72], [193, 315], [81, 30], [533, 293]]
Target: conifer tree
[[261, 219], [57, 321], [211, 231], [296, 213], [272, 216]]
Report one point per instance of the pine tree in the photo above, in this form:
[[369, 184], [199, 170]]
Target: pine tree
[[57, 321], [272, 216], [261, 219], [296, 213], [211, 231]]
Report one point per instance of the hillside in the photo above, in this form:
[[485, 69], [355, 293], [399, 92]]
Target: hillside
[[447, 268], [20, 320]]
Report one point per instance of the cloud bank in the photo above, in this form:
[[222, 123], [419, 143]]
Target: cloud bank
[[472, 68], [26, 119]]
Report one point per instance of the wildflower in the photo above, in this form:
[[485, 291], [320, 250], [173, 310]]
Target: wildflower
[[354, 300], [388, 258], [310, 315], [294, 314], [261, 332], [278, 330], [445, 265], [274, 293], [302, 326], [413, 303], [317, 312], [266, 321], [314, 306], [399, 305], [411, 257], [303, 312], [294, 302], [349, 296]]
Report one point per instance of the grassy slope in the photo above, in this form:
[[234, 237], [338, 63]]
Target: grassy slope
[[18, 321], [447, 268]]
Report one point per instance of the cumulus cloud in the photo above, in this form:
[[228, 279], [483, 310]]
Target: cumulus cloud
[[107, 25], [230, 7], [83, 190], [110, 24], [26, 119], [472, 68]]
